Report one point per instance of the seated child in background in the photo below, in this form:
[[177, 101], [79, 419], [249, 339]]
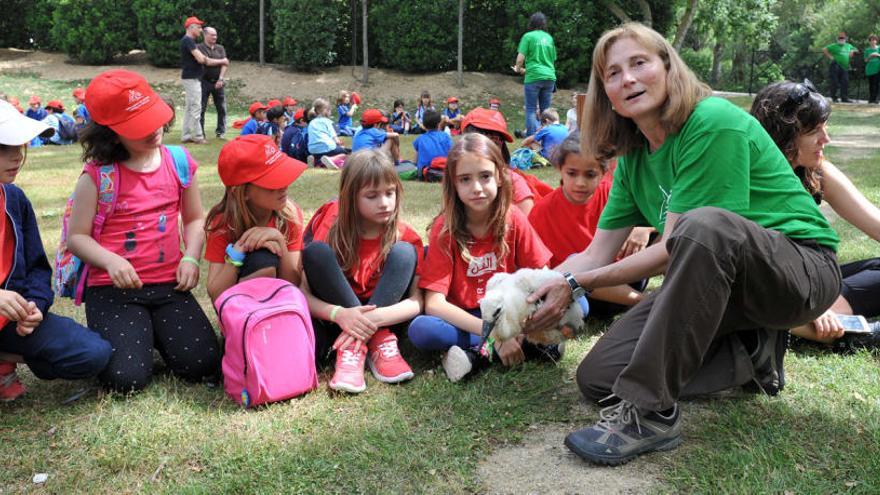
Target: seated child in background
[[289, 109], [432, 144], [400, 119], [550, 134], [373, 135], [345, 109], [567, 218], [295, 141], [276, 121], [452, 116], [495, 104], [52, 346], [360, 273], [55, 118], [478, 233], [79, 96], [35, 110], [258, 115], [571, 117], [268, 234], [425, 104], [324, 144]]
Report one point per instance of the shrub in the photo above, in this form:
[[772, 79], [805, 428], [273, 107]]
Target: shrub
[[305, 32], [160, 27], [38, 21], [90, 37], [416, 36], [14, 32]]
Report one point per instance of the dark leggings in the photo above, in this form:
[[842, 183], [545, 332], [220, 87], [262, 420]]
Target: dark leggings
[[861, 286], [328, 282], [136, 320]]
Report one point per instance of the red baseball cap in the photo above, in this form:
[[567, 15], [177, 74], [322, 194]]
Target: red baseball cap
[[299, 114], [355, 98], [55, 104], [192, 20], [17, 104], [372, 116], [33, 99], [256, 106], [273, 103], [489, 120], [494, 101], [452, 99], [79, 93], [290, 101], [124, 101], [254, 159]]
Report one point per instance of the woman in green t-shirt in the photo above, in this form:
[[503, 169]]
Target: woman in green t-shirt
[[744, 251], [536, 56], [872, 67], [795, 115]]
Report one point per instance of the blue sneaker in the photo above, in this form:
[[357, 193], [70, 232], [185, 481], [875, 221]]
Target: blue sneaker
[[623, 432]]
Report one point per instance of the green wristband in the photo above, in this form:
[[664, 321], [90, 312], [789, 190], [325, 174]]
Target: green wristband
[[333, 313], [190, 259]]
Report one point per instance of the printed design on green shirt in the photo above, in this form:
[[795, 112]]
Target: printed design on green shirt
[[664, 205]]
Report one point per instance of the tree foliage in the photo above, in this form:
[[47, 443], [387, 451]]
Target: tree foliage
[[305, 32], [93, 39]]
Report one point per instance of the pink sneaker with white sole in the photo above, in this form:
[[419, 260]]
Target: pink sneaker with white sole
[[349, 374], [384, 358]]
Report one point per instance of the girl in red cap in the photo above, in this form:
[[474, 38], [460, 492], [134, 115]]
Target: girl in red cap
[[256, 229], [360, 269], [452, 116], [138, 288], [476, 235]]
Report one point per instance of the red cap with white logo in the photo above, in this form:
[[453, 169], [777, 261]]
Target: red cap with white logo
[[254, 159], [123, 101]]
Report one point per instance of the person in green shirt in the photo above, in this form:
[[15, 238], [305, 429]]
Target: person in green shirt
[[536, 56], [838, 70], [745, 251], [872, 67]]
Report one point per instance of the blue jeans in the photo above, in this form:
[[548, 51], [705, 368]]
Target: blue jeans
[[430, 333], [58, 348], [539, 94]]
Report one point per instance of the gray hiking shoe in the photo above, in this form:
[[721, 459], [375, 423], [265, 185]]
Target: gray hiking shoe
[[457, 363], [623, 432], [767, 362]]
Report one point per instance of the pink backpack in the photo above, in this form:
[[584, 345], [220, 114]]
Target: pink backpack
[[270, 342]]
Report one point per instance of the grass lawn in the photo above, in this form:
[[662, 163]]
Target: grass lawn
[[821, 435]]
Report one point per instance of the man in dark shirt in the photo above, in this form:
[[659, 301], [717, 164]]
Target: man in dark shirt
[[213, 80], [191, 63]]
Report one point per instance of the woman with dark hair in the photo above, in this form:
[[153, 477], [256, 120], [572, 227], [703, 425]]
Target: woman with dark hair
[[796, 115], [535, 58]]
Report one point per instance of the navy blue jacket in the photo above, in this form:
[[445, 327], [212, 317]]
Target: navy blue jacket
[[31, 274]]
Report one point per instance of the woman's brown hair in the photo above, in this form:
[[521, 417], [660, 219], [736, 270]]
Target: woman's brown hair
[[605, 133]]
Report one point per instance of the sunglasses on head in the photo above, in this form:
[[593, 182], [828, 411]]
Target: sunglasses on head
[[798, 94]]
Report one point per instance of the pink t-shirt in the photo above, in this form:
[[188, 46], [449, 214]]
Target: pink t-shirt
[[144, 227]]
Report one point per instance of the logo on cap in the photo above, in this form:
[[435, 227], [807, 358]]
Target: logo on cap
[[136, 100], [272, 154]]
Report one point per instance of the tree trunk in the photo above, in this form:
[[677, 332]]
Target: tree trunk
[[717, 53], [460, 42], [617, 11], [686, 20], [366, 49], [262, 30]]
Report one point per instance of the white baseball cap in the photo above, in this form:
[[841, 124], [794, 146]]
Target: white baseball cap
[[16, 129]]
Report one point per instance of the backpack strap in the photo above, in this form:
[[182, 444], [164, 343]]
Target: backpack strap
[[181, 164], [106, 179]]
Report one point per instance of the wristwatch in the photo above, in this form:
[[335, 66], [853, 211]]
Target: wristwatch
[[576, 290]]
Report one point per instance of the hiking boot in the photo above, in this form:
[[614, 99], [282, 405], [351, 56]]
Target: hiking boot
[[328, 163], [349, 374], [767, 360], [384, 358], [624, 432], [519, 133], [11, 387]]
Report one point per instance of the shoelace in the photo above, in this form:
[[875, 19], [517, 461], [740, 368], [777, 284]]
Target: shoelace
[[389, 349], [615, 417], [350, 358]]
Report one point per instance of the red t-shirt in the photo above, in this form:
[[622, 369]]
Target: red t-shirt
[[565, 227], [521, 189], [144, 227], [364, 278], [464, 284], [215, 249], [7, 251]]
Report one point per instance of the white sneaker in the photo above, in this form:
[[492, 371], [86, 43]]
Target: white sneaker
[[456, 363]]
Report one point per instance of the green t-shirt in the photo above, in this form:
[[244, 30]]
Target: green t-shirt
[[540, 53], [840, 53], [722, 157], [872, 65]]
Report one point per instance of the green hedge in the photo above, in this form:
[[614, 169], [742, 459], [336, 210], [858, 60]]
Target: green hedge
[[93, 39], [160, 28], [305, 32]]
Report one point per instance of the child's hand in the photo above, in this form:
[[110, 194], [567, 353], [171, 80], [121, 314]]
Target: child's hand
[[26, 326], [510, 352], [187, 276], [637, 241], [262, 237], [13, 306], [123, 274], [344, 340], [354, 322]]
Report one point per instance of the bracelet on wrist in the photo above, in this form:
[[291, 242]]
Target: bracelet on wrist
[[190, 259], [333, 313], [232, 262], [235, 254]]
